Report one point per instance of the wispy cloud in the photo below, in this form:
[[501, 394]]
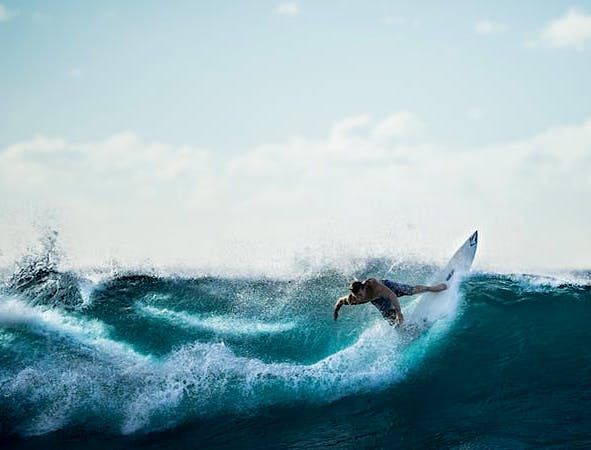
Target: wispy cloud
[[5, 14], [487, 27], [399, 125], [573, 30], [288, 9]]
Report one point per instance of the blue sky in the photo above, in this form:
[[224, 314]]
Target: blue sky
[[149, 127], [233, 74]]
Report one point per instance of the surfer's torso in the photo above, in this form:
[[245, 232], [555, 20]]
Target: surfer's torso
[[384, 304]]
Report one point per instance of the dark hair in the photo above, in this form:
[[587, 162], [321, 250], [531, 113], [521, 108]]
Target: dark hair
[[356, 286]]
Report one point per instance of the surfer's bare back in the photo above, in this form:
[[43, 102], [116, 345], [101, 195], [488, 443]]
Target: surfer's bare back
[[383, 295]]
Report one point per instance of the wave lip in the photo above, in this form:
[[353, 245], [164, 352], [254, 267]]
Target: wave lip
[[550, 281]]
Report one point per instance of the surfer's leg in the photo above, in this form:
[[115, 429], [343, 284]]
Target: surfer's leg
[[419, 289], [438, 287]]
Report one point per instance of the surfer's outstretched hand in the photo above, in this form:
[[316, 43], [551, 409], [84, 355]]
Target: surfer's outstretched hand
[[340, 302]]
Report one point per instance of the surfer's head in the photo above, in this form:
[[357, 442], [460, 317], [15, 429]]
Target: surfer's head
[[357, 288]]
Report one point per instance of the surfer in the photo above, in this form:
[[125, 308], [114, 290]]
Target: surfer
[[384, 296]]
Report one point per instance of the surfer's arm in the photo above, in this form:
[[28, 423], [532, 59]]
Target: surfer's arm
[[396, 306], [347, 300], [338, 305]]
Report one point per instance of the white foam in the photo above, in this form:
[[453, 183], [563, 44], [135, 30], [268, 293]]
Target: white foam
[[213, 378], [50, 321], [220, 324]]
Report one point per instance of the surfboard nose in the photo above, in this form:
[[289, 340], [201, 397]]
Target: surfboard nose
[[474, 239]]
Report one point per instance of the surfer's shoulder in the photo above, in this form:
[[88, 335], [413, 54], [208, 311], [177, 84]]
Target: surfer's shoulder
[[371, 282]]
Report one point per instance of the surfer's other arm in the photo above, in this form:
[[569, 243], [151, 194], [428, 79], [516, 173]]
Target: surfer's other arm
[[396, 307], [346, 300]]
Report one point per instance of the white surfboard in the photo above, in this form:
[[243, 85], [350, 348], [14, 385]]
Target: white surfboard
[[430, 307]]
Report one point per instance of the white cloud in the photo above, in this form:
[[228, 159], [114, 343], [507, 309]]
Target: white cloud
[[361, 186], [402, 124], [122, 161], [351, 126], [573, 30], [5, 14], [357, 140], [486, 27], [288, 9]]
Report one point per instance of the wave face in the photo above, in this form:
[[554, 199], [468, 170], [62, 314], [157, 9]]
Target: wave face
[[259, 362]]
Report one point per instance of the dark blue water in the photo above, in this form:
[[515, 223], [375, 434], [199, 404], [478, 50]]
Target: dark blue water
[[152, 361]]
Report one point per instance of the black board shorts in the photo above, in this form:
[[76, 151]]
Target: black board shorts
[[399, 289]]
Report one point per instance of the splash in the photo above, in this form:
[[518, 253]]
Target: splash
[[38, 277]]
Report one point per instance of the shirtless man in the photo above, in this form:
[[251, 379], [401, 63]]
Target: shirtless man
[[384, 296]]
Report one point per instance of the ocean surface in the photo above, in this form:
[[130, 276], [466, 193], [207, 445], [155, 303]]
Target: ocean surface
[[158, 359]]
